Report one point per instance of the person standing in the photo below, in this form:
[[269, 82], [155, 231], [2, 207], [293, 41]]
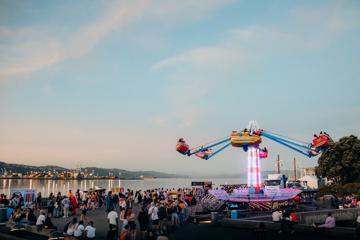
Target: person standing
[[153, 212], [51, 204], [65, 205], [113, 220], [38, 200], [143, 219], [115, 201], [83, 210], [108, 201], [130, 217], [73, 204]]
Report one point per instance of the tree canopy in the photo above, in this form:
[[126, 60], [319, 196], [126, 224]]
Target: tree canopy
[[341, 162]]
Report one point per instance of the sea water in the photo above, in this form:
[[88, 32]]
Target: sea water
[[54, 186]]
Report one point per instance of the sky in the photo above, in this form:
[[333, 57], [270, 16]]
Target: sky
[[116, 83]]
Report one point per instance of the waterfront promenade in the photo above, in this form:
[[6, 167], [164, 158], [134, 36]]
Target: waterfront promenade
[[204, 230]]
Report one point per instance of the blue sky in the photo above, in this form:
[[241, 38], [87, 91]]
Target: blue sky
[[115, 83]]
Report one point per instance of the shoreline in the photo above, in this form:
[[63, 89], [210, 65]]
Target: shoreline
[[87, 178]]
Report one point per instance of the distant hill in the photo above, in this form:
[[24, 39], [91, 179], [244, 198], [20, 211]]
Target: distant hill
[[20, 168], [127, 174]]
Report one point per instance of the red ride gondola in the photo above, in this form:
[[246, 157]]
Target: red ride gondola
[[263, 153], [320, 141], [182, 147]]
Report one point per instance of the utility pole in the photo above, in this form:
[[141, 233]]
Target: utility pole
[[295, 169], [278, 164]]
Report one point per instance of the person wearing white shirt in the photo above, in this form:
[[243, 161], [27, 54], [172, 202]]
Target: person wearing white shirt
[[90, 231], [66, 204], [79, 230], [71, 227], [153, 212], [113, 220], [329, 222], [277, 216], [40, 221]]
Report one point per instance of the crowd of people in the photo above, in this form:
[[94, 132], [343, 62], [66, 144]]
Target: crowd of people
[[150, 214], [157, 212], [161, 210]]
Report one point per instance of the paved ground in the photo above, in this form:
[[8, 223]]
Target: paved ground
[[98, 216], [212, 232], [186, 232]]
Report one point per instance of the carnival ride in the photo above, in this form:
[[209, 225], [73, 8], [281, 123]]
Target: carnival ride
[[249, 140]]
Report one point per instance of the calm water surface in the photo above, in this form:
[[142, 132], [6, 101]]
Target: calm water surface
[[54, 186]]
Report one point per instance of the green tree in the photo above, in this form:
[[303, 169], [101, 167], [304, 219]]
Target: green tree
[[341, 162]]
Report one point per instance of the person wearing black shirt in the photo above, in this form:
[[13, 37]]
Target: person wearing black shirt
[[30, 217]]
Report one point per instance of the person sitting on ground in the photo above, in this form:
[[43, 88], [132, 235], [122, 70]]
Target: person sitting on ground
[[70, 227], [79, 230], [329, 222], [48, 223], [30, 217], [90, 231], [18, 216], [40, 221]]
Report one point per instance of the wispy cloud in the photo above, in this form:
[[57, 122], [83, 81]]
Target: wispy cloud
[[204, 57], [28, 50], [31, 50], [245, 49]]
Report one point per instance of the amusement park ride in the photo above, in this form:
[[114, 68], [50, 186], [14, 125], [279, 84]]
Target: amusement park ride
[[249, 140]]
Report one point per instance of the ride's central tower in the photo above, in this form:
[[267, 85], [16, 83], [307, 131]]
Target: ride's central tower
[[254, 174]]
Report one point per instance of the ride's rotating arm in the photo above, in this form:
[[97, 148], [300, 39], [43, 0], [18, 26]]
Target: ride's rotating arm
[[298, 147]]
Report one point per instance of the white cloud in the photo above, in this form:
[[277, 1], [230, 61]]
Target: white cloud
[[245, 49], [29, 50], [203, 58], [33, 50]]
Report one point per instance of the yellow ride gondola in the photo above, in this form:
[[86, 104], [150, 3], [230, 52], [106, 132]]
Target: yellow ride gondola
[[241, 139]]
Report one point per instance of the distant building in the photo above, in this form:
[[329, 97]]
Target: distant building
[[308, 172], [310, 180]]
